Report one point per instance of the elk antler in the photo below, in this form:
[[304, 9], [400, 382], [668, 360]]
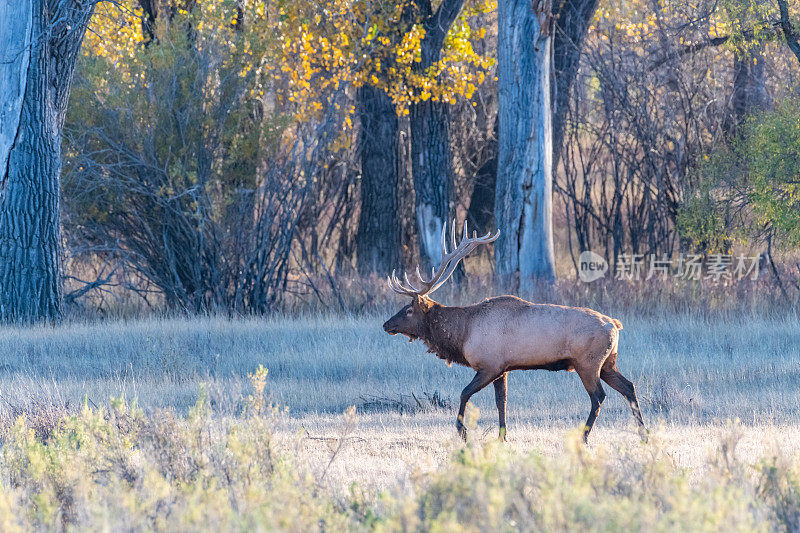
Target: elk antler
[[448, 265]]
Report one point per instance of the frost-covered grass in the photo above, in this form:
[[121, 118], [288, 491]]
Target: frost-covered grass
[[200, 449], [687, 369]]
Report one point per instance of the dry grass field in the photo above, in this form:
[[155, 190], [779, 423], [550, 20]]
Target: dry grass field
[[160, 423]]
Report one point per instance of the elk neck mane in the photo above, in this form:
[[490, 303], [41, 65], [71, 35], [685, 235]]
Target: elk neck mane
[[445, 333]]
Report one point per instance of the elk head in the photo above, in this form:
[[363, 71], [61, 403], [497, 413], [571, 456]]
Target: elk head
[[411, 319]]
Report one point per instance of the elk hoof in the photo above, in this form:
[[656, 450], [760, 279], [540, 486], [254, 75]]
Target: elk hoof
[[462, 430], [502, 436], [644, 434]]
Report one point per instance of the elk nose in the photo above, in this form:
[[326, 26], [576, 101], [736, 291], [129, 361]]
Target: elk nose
[[388, 329]]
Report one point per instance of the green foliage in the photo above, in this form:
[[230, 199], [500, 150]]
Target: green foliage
[[771, 145], [705, 215], [702, 221], [748, 189], [746, 22]]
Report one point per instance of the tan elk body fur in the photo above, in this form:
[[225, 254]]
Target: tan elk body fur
[[500, 332]]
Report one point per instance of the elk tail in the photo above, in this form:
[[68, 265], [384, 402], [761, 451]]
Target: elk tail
[[617, 323]]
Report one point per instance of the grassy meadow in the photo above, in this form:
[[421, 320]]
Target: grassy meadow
[[168, 424]]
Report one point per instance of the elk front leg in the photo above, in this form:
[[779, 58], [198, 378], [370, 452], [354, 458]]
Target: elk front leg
[[596, 393], [481, 379], [500, 397]]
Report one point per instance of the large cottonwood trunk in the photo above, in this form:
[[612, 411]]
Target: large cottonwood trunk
[[30, 241], [481, 202], [523, 199], [572, 21], [379, 226], [429, 125], [432, 169], [15, 39]]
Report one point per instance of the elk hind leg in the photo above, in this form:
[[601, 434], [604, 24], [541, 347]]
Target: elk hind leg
[[623, 385], [500, 398]]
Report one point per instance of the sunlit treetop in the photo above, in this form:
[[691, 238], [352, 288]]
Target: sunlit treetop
[[379, 43], [308, 56], [115, 32]]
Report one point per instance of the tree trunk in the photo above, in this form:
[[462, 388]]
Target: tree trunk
[[523, 200], [15, 40], [572, 20], [431, 158], [788, 29], [432, 169], [481, 203], [30, 254], [378, 239]]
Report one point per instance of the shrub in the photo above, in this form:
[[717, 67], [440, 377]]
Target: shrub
[[118, 468]]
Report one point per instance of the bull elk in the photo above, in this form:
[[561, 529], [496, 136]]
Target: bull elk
[[507, 333]]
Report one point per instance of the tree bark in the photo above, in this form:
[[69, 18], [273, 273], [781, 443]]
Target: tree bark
[[431, 158], [15, 40], [523, 199], [481, 203], [378, 239], [432, 171], [30, 240], [572, 20], [789, 31]]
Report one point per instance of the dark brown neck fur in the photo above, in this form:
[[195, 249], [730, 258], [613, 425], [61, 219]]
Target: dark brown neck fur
[[445, 333]]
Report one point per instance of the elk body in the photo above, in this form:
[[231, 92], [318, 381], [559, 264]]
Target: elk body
[[507, 333]]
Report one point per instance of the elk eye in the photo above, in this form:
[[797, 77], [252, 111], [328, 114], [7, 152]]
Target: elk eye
[[408, 313]]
